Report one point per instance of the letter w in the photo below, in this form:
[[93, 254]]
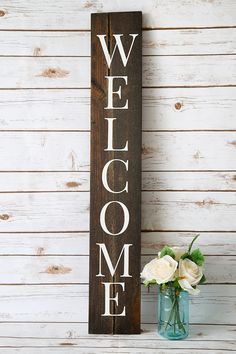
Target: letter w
[[103, 249], [119, 45]]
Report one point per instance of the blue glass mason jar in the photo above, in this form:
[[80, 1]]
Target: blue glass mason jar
[[173, 312]]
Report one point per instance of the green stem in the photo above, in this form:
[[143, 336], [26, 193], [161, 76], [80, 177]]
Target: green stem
[[191, 244], [175, 312], [180, 324], [175, 319], [171, 313]]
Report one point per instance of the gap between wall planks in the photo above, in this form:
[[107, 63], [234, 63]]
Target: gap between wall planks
[[184, 107]]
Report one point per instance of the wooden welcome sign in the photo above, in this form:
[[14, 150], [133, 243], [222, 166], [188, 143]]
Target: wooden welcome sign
[[116, 110]]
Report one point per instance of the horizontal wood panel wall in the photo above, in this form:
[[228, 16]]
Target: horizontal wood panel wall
[[188, 163]]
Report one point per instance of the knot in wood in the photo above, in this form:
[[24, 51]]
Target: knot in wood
[[178, 106], [72, 184], [4, 217]]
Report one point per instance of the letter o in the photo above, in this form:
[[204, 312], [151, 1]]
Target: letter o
[[103, 214]]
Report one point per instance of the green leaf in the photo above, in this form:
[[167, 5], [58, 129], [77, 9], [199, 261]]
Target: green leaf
[[167, 251], [185, 255], [149, 282], [164, 286], [197, 257], [202, 280]]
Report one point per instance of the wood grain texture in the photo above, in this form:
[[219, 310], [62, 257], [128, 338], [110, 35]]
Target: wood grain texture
[[190, 181], [189, 109], [127, 128], [41, 150], [75, 243], [31, 43], [119, 345], [38, 151], [188, 211], [211, 243], [189, 41], [64, 269], [44, 181], [68, 303], [39, 211], [188, 151], [189, 71], [153, 180], [69, 335], [177, 211], [155, 42], [163, 109], [40, 244], [53, 334], [170, 71], [45, 109], [37, 72], [44, 269], [62, 15]]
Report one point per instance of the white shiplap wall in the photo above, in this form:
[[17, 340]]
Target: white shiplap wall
[[189, 168]]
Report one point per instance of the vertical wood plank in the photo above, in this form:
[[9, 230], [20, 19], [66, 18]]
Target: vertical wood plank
[[127, 127]]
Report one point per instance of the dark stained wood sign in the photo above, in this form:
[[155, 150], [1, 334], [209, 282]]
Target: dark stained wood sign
[[115, 215]]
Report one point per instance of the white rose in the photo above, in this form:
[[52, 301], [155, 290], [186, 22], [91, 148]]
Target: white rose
[[190, 274], [160, 269]]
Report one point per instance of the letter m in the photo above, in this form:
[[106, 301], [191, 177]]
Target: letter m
[[112, 269]]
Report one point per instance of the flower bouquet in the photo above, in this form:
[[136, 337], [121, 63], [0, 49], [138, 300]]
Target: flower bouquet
[[177, 272]]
